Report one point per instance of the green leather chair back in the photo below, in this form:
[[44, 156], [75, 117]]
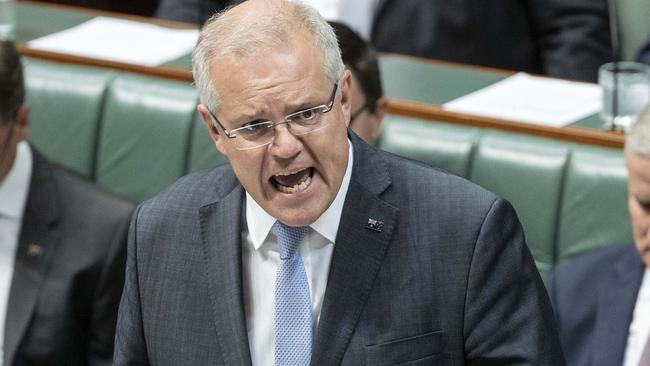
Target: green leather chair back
[[442, 146], [528, 172], [437, 83], [66, 104], [594, 207], [144, 142], [203, 153]]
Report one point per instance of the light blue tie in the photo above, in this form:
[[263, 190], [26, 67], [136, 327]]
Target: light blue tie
[[293, 317]]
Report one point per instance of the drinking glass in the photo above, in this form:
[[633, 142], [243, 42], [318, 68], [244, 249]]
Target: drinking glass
[[621, 105]]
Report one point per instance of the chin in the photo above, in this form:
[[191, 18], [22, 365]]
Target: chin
[[297, 219]]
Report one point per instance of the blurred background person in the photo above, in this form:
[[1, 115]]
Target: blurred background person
[[567, 39], [368, 102], [602, 298], [62, 247]]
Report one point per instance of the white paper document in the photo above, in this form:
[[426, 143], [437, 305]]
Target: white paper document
[[532, 99], [121, 40]]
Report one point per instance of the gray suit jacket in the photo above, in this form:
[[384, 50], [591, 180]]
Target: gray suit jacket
[[447, 280], [68, 273], [594, 297]]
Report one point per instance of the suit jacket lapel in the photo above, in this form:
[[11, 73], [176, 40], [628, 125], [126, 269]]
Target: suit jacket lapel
[[616, 300], [221, 231], [36, 245], [360, 247]]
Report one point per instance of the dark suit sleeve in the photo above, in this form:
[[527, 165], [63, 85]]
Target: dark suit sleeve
[[107, 297], [572, 36], [189, 11], [508, 316], [130, 347]]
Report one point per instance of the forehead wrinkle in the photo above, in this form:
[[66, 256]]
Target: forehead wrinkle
[[272, 97]]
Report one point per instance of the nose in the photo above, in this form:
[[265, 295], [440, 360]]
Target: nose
[[285, 144]]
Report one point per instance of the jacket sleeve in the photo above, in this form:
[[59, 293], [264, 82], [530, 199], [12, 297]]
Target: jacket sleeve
[[508, 316], [573, 37], [107, 294], [130, 346]]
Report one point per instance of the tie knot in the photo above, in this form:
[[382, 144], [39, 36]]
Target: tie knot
[[289, 238]]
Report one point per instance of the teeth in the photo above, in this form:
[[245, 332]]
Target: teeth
[[297, 188], [284, 174]]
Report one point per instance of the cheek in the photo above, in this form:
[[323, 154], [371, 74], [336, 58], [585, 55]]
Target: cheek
[[247, 168], [640, 221]]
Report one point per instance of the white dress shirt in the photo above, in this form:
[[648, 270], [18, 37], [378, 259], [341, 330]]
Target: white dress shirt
[[357, 14], [260, 260], [13, 197], [640, 327]]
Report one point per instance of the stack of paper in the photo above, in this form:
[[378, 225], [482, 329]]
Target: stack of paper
[[538, 100], [121, 40]]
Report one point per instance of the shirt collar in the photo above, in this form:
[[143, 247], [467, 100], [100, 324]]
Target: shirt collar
[[259, 222], [14, 188]]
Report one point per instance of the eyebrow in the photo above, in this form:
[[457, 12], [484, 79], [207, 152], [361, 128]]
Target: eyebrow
[[301, 106], [307, 103]]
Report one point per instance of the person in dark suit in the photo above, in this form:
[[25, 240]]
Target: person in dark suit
[[567, 39], [368, 103], [311, 246], [62, 247], [602, 298]]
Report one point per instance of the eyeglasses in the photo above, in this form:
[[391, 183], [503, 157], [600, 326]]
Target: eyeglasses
[[260, 133]]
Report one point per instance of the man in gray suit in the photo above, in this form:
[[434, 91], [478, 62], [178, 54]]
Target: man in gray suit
[[312, 247], [62, 247]]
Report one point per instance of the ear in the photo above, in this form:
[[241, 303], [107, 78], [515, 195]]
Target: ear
[[209, 122], [21, 129], [346, 95]]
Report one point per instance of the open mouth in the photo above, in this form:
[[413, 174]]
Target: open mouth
[[294, 181]]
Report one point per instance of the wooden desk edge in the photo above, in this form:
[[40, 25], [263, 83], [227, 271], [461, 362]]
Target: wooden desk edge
[[398, 107], [166, 72], [572, 134]]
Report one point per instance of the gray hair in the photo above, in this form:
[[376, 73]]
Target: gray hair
[[226, 33], [638, 141]]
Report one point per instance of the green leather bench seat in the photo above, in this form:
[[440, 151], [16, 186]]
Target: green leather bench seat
[[526, 171], [145, 135], [66, 105], [445, 147], [135, 135], [594, 207]]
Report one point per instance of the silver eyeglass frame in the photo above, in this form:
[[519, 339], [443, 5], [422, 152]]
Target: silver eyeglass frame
[[323, 108]]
